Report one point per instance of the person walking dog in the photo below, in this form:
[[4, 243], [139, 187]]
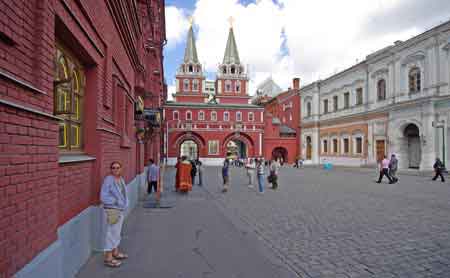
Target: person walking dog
[[115, 201], [384, 170]]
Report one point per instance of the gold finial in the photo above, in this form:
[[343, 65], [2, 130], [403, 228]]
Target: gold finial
[[231, 20], [191, 21]]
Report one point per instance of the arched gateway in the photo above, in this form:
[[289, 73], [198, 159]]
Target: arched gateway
[[414, 152], [280, 153], [189, 149]]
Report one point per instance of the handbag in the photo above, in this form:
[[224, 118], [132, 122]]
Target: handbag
[[112, 216]]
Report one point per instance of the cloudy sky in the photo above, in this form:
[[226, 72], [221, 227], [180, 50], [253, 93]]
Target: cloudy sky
[[310, 39]]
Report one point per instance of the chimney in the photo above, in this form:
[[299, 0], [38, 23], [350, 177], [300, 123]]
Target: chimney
[[296, 83]]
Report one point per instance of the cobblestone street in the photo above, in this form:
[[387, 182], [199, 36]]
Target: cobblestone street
[[343, 224]]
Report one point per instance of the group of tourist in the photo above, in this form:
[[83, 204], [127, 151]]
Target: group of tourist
[[254, 167]]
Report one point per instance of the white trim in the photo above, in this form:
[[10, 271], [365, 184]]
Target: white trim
[[228, 116]]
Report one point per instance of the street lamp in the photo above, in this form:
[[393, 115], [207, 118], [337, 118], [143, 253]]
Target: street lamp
[[441, 124]]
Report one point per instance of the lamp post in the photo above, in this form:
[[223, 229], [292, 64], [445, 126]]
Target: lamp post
[[440, 124]]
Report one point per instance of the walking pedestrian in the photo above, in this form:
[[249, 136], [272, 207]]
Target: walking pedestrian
[[438, 169], [393, 166], [274, 169], [260, 175], [225, 174], [152, 177], [114, 198], [200, 171], [193, 171], [384, 170], [250, 166], [177, 175]]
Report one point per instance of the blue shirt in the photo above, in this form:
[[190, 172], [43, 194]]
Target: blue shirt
[[114, 194], [225, 170], [153, 173]]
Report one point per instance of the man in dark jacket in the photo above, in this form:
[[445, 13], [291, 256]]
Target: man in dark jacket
[[393, 166], [438, 168], [193, 171]]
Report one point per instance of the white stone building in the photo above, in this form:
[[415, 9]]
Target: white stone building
[[396, 101]]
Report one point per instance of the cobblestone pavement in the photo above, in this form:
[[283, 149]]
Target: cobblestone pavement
[[343, 224]]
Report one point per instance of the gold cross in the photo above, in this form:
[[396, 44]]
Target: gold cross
[[191, 20], [231, 20]]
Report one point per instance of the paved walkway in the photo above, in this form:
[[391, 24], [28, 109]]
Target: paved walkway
[[193, 239], [341, 224]]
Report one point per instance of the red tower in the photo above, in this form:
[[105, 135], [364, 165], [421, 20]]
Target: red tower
[[208, 129]]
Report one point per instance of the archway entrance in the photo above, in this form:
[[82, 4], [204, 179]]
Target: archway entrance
[[190, 149], [412, 137], [280, 153], [237, 148], [308, 148]]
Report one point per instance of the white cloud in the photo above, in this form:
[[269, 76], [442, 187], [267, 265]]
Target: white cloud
[[176, 25], [320, 36]]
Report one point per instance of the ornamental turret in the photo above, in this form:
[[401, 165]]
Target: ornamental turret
[[189, 77], [232, 79]]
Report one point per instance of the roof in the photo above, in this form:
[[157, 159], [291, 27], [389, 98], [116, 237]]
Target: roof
[[268, 88], [212, 105], [190, 52], [231, 53], [284, 129]]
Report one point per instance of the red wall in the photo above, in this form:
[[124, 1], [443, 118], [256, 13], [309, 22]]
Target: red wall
[[37, 193], [202, 135], [272, 137]]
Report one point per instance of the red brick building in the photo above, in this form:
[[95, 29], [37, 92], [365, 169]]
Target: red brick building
[[71, 74], [282, 126], [205, 128]]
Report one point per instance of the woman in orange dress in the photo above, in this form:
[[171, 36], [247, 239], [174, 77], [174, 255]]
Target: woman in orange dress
[[185, 178]]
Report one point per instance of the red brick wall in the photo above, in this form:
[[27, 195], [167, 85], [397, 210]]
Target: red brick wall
[[28, 187], [74, 189], [37, 193]]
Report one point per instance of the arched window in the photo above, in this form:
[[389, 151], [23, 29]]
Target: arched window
[[414, 80], [238, 86], [239, 116], [381, 89], [69, 99], [308, 109], [213, 116], [233, 69], [201, 116], [228, 86], [226, 116], [251, 117], [188, 115], [176, 115], [186, 85], [191, 69], [224, 69], [195, 85]]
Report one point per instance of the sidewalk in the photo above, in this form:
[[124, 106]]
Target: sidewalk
[[192, 239]]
